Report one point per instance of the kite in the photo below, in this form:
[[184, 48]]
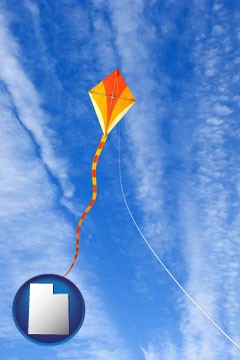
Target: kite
[[111, 99]]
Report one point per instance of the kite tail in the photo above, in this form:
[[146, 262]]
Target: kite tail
[[93, 199]]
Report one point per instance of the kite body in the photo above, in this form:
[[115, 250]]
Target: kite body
[[111, 99]]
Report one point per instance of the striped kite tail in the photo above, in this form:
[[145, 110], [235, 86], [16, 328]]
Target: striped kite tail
[[93, 199]]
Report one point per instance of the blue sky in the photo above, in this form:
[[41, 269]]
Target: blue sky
[[180, 168]]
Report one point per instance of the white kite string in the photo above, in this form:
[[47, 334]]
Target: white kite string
[[159, 260]]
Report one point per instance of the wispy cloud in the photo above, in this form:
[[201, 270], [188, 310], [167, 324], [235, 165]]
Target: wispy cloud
[[135, 36], [163, 350], [27, 104], [209, 216]]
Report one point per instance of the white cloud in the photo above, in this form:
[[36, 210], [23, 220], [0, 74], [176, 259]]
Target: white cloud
[[207, 208], [215, 121], [217, 7], [27, 102], [222, 109], [217, 30], [32, 7], [131, 25], [164, 351]]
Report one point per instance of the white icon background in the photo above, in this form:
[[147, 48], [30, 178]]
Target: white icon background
[[48, 312]]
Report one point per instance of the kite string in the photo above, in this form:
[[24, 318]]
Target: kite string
[[160, 261], [93, 199]]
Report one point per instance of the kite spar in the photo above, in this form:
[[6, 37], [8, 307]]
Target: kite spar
[[111, 99]]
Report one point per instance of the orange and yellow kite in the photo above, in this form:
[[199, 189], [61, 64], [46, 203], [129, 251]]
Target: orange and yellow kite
[[111, 99]]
